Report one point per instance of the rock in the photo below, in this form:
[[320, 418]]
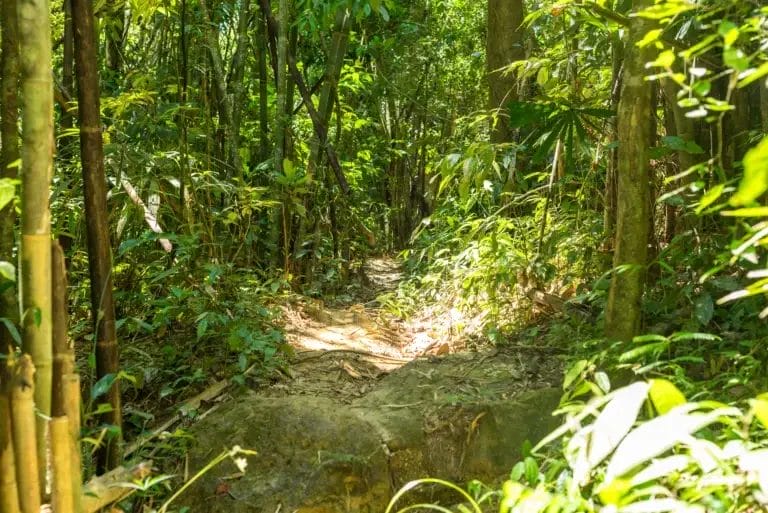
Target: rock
[[457, 418], [313, 455]]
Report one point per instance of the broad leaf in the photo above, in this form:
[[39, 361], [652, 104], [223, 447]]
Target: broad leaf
[[760, 410], [615, 421], [704, 308], [665, 396], [755, 180], [7, 271], [7, 192], [658, 436], [102, 386], [660, 468]]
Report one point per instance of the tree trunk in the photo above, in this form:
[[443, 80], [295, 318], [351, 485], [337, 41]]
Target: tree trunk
[[335, 61], [609, 212], [320, 129], [67, 77], [115, 36], [219, 80], [237, 71], [623, 311], [97, 217], [261, 45], [66, 144], [290, 91], [504, 45], [282, 84]]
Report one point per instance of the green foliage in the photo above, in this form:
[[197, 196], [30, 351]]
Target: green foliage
[[659, 461], [485, 227], [642, 447]]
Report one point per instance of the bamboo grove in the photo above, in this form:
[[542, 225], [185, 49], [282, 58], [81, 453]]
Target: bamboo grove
[[161, 155]]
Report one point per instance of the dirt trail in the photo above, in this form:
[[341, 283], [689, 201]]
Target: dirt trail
[[339, 352], [360, 411]]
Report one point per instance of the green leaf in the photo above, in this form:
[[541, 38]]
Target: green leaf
[[574, 372], [687, 103], [531, 470], [753, 74], [634, 354], [658, 435], [8, 271], [614, 422], [649, 338], [288, 170], [760, 410], [202, 327], [716, 105], [602, 381], [12, 330], [665, 396], [665, 59], [710, 197], [660, 468], [102, 386], [702, 87], [736, 59], [7, 191], [704, 308], [517, 471], [679, 144], [688, 335], [747, 212], [755, 180], [614, 491], [650, 37], [729, 32], [667, 9]]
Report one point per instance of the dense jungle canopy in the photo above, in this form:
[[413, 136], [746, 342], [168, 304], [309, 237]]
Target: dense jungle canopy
[[193, 192]]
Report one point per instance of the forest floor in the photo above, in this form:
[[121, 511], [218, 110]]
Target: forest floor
[[344, 358], [368, 402], [358, 342]]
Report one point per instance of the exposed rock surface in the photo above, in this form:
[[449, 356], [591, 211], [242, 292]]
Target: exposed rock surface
[[457, 417]]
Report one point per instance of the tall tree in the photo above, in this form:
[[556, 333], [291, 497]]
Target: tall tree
[[633, 220], [97, 220], [333, 67], [225, 100], [281, 116], [504, 45], [236, 87], [115, 35], [261, 47]]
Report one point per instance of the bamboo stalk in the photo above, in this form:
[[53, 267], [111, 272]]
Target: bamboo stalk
[[66, 383], [9, 497], [71, 388], [25, 435], [36, 171], [106, 489], [63, 349], [63, 499]]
